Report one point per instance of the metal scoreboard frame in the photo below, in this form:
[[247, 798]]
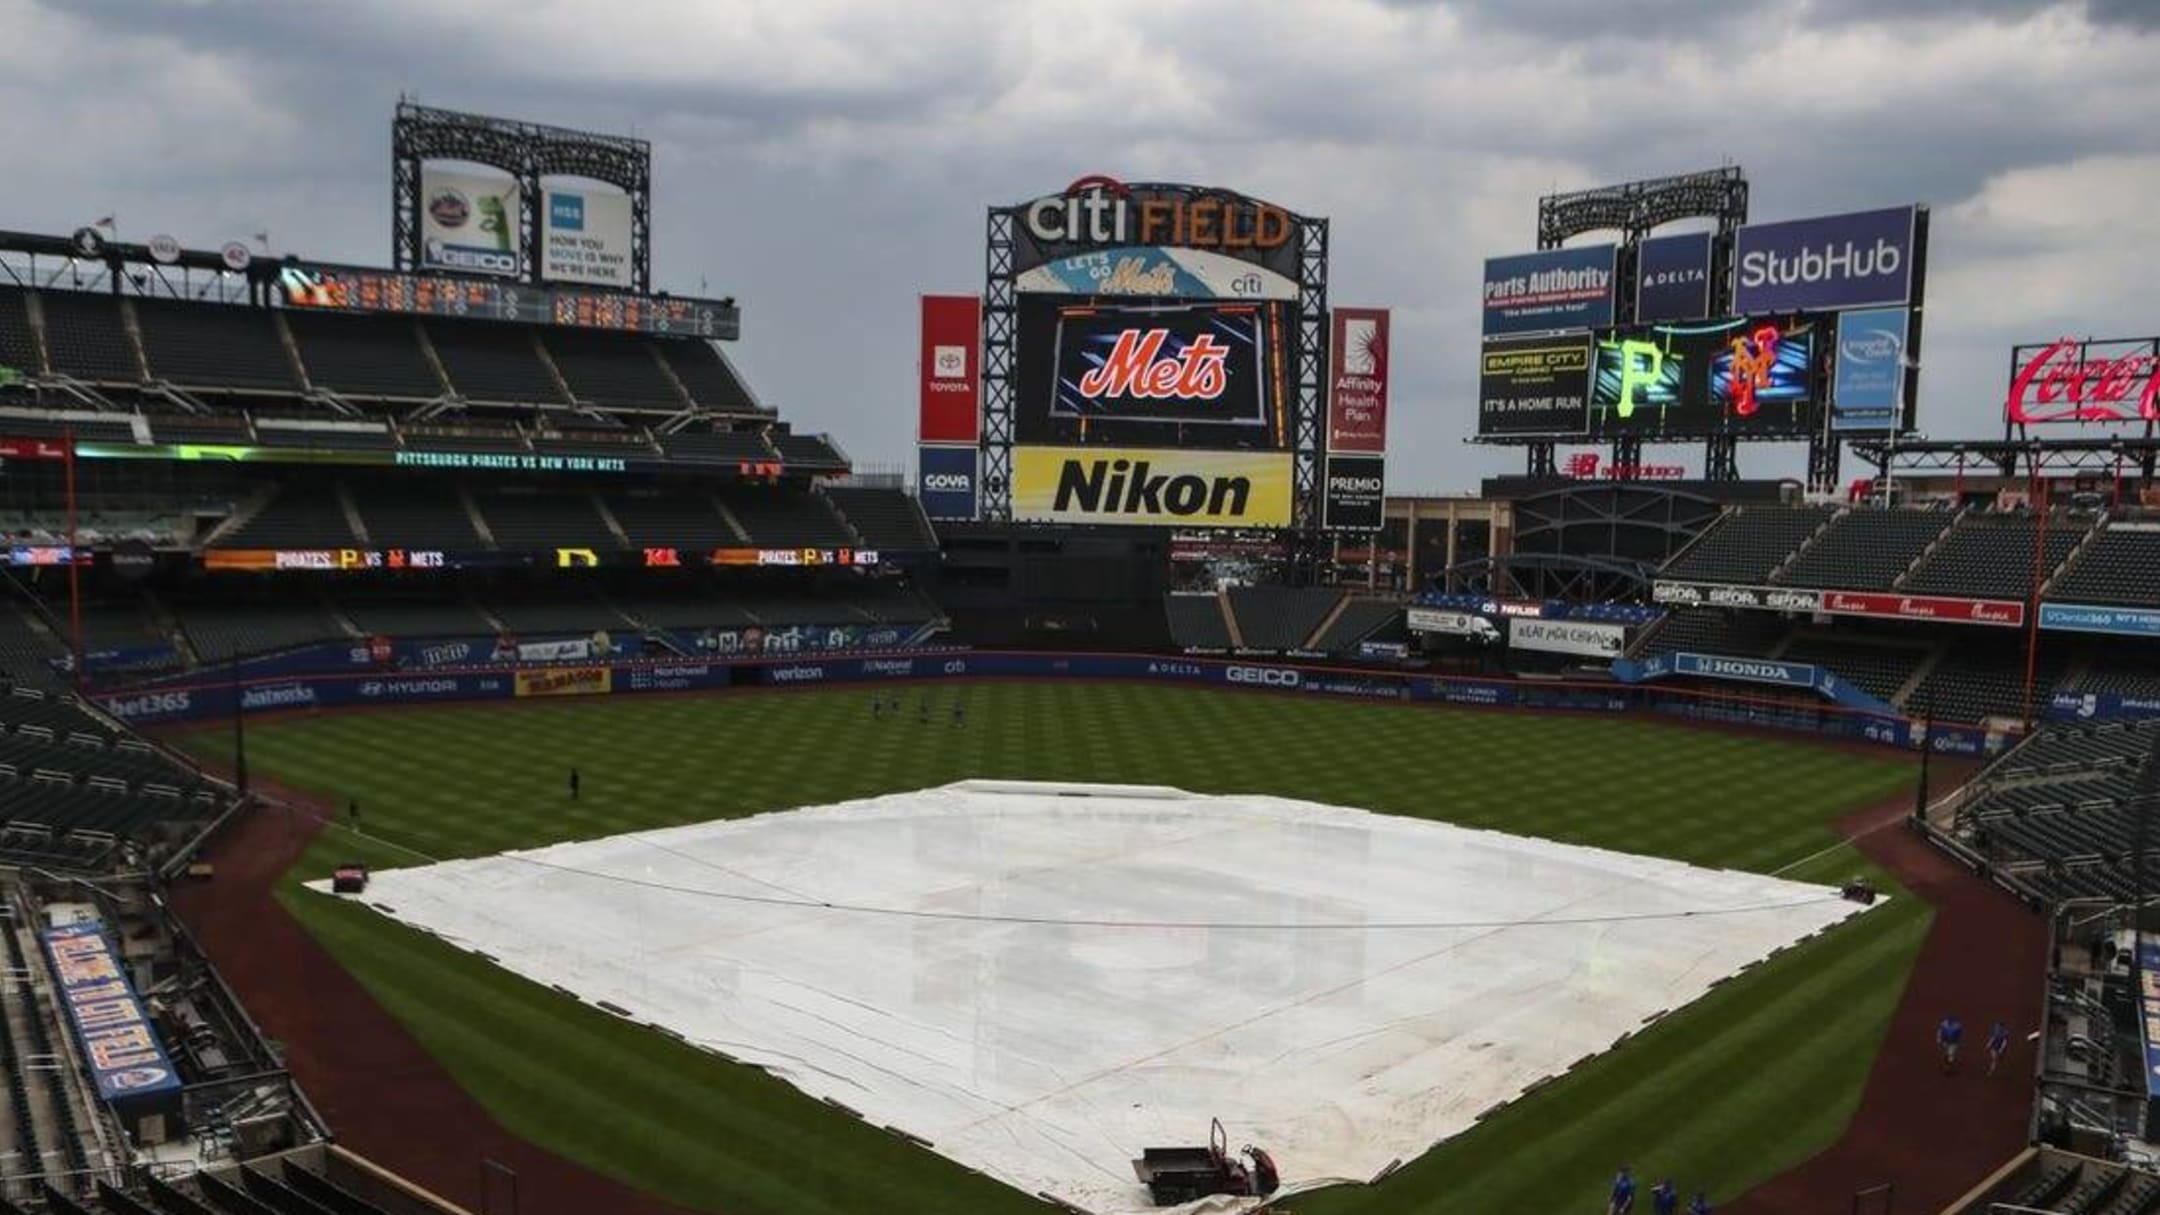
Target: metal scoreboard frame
[[1003, 243], [528, 152]]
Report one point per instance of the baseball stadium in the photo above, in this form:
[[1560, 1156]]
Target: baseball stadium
[[463, 751]]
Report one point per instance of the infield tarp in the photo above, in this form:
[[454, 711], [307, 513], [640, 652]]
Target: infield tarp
[[1039, 981]]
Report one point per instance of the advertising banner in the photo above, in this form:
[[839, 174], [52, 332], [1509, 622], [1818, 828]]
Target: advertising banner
[[1358, 381], [1867, 386], [951, 369], [1672, 278], [565, 681], [117, 1039], [1435, 620], [2100, 706], [1862, 259], [2075, 381], [1194, 364], [1567, 637], [2095, 618], [1746, 670], [1097, 213], [585, 237], [2003, 613], [945, 481], [1151, 487], [1355, 493], [1550, 289], [1717, 594], [1158, 273], [1741, 374], [1534, 386], [469, 222]]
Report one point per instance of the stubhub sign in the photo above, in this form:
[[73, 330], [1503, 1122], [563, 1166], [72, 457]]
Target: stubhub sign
[[1857, 260]]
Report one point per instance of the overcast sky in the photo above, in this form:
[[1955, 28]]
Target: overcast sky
[[826, 161]]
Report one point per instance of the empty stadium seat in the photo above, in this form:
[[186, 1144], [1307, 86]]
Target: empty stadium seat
[[18, 342], [1196, 621], [811, 453], [364, 357], [414, 614], [493, 362], [214, 346], [706, 375], [1361, 620], [612, 369], [1280, 617], [222, 629], [887, 519], [532, 520], [2120, 567], [425, 515], [1992, 556], [782, 517], [719, 447], [1747, 544], [1867, 548], [677, 520], [86, 339], [1878, 670], [303, 514]]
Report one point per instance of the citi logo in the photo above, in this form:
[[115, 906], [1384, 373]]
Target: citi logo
[[1842, 260], [1266, 677]]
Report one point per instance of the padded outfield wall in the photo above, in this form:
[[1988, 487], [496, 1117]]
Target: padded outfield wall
[[210, 699]]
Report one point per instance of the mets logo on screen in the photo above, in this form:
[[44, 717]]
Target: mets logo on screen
[[1137, 369]]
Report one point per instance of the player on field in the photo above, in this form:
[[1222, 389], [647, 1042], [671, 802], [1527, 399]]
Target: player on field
[[1998, 1046], [1623, 1194], [573, 784], [1947, 1036], [1664, 1199], [1699, 1205]]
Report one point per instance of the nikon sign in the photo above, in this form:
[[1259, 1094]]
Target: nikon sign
[[1151, 487]]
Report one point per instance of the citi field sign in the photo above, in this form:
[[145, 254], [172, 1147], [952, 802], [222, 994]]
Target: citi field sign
[[1105, 212]]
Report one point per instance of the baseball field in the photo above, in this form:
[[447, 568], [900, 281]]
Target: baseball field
[[1749, 1081]]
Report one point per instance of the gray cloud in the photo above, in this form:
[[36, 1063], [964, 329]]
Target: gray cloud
[[828, 160]]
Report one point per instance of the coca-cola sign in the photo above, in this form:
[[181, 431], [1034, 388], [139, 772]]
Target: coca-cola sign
[[2068, 380], [2004, 613]]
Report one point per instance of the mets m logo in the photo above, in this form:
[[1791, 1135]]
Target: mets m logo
[[1753, 357]]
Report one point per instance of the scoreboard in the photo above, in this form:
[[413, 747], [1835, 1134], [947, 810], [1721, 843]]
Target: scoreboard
[[349, 289]]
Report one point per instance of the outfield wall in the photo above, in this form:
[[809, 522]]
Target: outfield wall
[[204, 700]]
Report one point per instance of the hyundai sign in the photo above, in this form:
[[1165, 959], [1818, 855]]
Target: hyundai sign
[[1860, 260]]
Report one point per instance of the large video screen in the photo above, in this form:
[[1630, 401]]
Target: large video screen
[[1756, 375], [1169, 373]]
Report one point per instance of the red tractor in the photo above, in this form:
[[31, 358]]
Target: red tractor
[[1181, 1174]]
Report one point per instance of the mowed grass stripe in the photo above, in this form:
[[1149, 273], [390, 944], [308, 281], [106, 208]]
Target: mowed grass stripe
[[1758, 1076]]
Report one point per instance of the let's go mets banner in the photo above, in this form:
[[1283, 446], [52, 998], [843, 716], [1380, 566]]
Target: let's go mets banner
[[566, 681]]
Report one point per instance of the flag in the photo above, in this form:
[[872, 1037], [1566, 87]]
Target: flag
[[263, 239], [106, 223]]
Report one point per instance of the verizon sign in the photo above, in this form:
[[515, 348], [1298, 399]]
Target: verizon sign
[[2072, 381], [2003, 613], [1567, 637]]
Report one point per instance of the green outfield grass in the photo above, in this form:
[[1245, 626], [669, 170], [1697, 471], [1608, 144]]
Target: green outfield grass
[[1747, 1082]]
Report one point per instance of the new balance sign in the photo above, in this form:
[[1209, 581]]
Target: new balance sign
[[1151, 487]]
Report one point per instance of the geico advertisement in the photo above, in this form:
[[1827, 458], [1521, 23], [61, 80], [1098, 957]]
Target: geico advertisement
[[1158, 487]]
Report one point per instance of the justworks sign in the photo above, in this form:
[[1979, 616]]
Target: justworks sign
[[1105, 211], [1151, 487]]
